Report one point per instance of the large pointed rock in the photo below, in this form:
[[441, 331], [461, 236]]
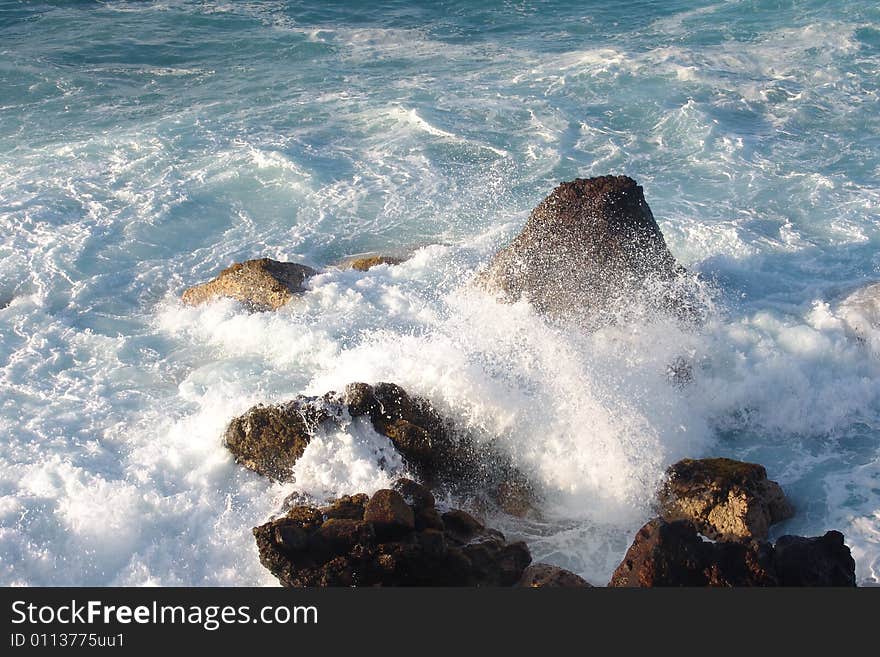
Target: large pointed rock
[[587, 248], [261, 284]]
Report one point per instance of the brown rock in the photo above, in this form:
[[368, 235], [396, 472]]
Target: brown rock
[[365, 262], [723, 498], [389, 511], [416, 495], [542, 575], [588, 247], [461, 526], [349, 507], [673, 554], [261, 284], [269, 439], [304, 549]]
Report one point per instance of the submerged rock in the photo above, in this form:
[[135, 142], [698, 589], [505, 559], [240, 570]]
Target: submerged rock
[[270, 439], [368, 261], [261, 284], [384, 547], [723, 498], [674, 554], [588, 247], [542, 575]]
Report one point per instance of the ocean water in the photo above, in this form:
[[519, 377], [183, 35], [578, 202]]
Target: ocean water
[[146, 145]]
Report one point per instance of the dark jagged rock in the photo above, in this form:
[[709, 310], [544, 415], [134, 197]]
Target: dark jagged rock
[[435, 451], [723, 498], [261, 284], [673, 554], [269, 440], [542, 575], [588, 247], [820, 561], [308, 548]]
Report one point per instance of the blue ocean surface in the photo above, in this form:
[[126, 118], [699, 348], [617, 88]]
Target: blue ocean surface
[[146, 145]]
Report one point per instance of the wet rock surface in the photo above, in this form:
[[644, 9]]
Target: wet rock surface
[[384, 547], [260, 284], [587, 248], [724, 498], [270, 439], [674, 554]]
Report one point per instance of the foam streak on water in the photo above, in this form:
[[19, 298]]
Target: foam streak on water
[[143, 146]]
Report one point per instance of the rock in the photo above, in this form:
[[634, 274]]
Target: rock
[[723, 498], [461, 526], [346, 507], [821, 561], [542, 575], [269, 439], [416, 495], [673, 554], [587, 248], [306, 549], [368, 261], [261, 284], [437, 453], [389, 512]]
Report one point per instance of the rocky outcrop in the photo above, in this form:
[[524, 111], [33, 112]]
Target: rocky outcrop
[[542, 575], [588, 247], [379, 542], [261, 284], [723, 498], [269, 440], [368, 261], [673, 554]]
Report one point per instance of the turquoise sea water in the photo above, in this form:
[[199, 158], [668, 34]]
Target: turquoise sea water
[[145, 145]]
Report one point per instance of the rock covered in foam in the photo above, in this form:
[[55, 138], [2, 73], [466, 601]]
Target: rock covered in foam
[[261, 284], [270, 439], [382, 546], [587, 248], [723, 498], [674, 554]]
